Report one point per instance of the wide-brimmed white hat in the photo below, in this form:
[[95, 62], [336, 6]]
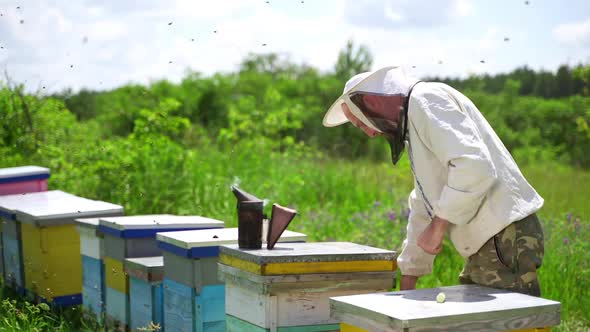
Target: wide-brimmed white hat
[[390, 80]]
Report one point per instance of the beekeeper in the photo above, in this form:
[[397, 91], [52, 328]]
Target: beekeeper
[[466, 183]]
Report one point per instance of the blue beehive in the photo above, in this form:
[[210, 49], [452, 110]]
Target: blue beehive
[[12, 268], [145, 291], [134, 237], [92, 250], [194, 298]]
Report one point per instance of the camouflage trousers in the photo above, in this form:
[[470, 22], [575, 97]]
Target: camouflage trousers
[[509, 260]]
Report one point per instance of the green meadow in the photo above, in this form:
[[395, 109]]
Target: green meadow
[[177, 148]]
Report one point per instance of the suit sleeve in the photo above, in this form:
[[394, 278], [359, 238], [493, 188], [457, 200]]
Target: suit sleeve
[[413, 260]]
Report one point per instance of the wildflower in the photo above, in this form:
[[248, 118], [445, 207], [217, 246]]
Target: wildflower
[[392, 216], [377, 204], [568, 217], [566, 241]]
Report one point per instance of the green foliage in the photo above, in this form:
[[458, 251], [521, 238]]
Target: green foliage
[[564, 82], [177, 148]]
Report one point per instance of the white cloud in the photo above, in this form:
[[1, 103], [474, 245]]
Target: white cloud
[[462, 8], [576, 33], [391, 14], [489, 40], [106, 31]]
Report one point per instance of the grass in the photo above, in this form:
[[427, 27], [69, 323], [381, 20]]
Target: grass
[[359, 201]]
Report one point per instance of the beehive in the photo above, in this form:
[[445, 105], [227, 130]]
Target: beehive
[[466, 308], [18, 180], [91, 251], [133, 237], [12, 268], [145, 291], [23, 179], [288, 288], [51, 245], [194, 297]]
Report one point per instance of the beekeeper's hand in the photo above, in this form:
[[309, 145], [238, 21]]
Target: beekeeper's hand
[[431, 239]]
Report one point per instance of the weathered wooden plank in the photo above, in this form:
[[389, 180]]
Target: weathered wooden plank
[[144, 302], [190, 271], [308, 267], [247, 305], [53, 264], [290, 308], [92, 273], [149, 269], [13, 266], [115, 276], [178, 307], [210, 308], [90, 239], [93, 301], [467, 308], [235, 324], [117, 305], [383, 281]]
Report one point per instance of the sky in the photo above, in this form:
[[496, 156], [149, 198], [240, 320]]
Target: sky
[[50, 45]]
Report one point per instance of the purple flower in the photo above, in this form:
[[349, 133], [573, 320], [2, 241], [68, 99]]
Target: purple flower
[[566, 241], [377, 204], [568, 217], [392, 216]]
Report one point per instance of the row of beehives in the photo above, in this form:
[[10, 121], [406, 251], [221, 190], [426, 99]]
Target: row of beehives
[[181, 273]]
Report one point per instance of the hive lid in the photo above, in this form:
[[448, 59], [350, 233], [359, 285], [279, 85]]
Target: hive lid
[[145, 268], [309, 252], [149, 225], [205, 243], [23, 173], [56, 207], [87, 222], [150, 264], [465, 303]]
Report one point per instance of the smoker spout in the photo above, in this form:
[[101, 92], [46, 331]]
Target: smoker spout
[[280, 219]]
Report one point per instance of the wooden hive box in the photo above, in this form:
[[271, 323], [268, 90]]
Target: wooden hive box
[[12, 273], [466, 308], [23, 179], [194, 297], [145, 291], [134, 237], [288, 288], [91, 251], [51, 244], [12, 238], [18, 180]]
